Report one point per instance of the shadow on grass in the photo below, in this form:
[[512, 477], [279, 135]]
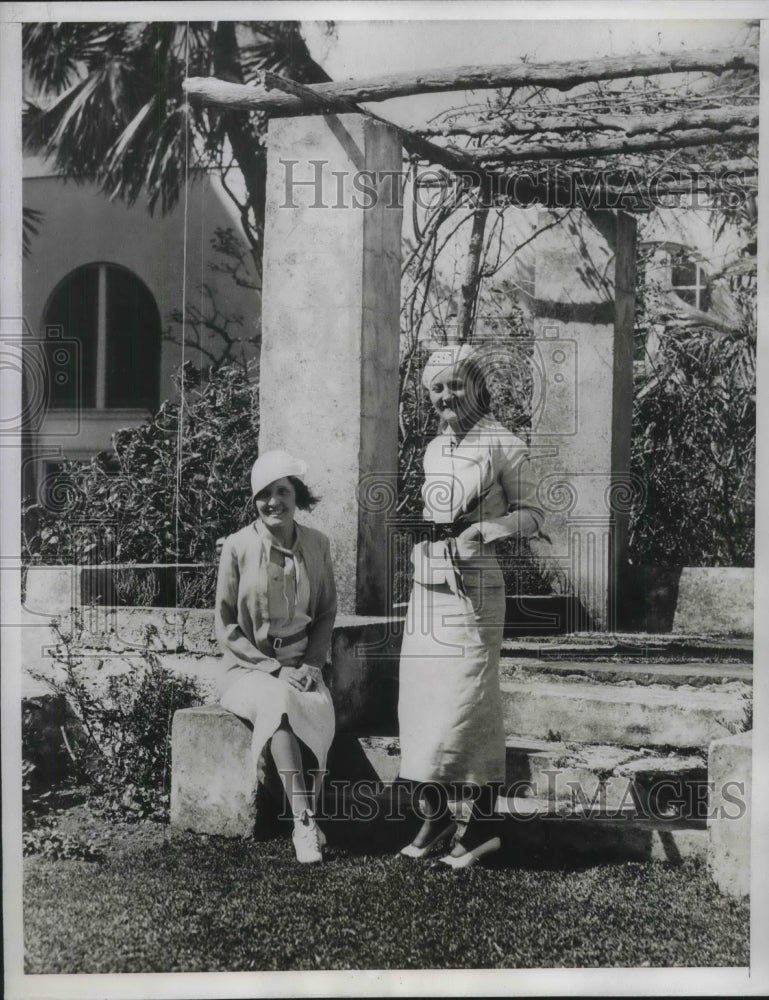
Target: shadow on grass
[[533, 844]]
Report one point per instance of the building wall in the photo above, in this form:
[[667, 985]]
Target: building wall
[[81, 226]]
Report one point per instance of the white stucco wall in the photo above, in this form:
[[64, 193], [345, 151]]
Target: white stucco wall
[[81, 226]]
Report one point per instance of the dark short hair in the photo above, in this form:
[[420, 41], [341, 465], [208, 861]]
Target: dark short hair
[[305, 499]]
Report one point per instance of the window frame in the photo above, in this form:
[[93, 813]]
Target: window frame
[[101, 341]]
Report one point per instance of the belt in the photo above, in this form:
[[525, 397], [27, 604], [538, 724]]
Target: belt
[[279, 641], [433, 532]]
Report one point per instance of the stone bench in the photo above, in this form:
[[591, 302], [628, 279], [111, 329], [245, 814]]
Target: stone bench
[[213, 782], [214, 790]]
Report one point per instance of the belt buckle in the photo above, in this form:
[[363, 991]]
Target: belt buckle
[[277, 642]]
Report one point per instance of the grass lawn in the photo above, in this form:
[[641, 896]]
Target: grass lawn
[[185, 903]]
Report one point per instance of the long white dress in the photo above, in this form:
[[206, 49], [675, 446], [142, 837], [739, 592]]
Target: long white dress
[[450, 711]]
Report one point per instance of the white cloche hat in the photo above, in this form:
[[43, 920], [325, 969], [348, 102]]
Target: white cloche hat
[[274, 465], [443, 358]]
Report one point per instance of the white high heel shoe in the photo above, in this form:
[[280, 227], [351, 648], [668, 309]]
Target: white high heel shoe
[[308, 839], [411, 851], [469, 858]]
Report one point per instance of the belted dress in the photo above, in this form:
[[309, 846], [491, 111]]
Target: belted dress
[[450, 710]]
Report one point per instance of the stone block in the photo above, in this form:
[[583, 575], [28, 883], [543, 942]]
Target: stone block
[[715, 599], [52, 590], [213, 779], [554, 839], [363, 678], [730, 767]]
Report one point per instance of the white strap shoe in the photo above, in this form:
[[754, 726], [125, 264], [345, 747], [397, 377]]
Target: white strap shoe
[[308, 839], [412, 851], [469, 858]]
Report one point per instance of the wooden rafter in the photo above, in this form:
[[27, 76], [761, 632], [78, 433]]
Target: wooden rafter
[[629, 125], [560, 76], [488, 167], [559, 150], [214, 92]]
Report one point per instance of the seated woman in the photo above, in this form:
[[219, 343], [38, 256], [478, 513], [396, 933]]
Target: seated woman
[[275, 609]]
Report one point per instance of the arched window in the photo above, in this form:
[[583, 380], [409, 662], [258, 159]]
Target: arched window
[[103, 332]]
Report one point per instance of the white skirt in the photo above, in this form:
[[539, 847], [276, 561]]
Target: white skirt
[[449, 709], [263, 700]]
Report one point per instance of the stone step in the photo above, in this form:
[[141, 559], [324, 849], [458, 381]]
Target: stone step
[[631, 645], [607, 671], [538, 826], [627, 822], [533, 831], [192, 630], [638, 716], [571, 777], [604, 837]]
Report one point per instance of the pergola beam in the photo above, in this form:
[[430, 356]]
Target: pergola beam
[[560, 75], [215, 92], [610, 147], [628, 125], [482, 166]]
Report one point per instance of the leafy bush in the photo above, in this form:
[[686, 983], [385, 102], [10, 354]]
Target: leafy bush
[[167, 490], [694, 448], [123, 751]]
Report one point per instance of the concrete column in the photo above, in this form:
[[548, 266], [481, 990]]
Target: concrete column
[[330, 328], [584, 304], [730, 776]]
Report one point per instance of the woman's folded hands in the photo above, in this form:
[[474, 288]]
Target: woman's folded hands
[[303, 678]]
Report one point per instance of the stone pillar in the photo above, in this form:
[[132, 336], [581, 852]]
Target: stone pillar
[[581, 431], [730, 776], [330, 328]]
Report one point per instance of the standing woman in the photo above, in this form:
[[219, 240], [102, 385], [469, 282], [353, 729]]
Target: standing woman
[[275, 609], [450, 711]]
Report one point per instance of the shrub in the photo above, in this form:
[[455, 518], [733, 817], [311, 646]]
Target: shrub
[[123, 750], [694, 448]]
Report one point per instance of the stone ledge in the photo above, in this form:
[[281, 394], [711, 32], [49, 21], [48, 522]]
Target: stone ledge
[[634, 645]]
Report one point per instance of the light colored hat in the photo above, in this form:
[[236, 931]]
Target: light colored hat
[[274, 465], [443, 358]]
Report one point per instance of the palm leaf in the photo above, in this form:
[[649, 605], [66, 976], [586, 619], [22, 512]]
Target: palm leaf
[[30, 222]]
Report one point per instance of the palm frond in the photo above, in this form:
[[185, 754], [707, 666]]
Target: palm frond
[[30, 222]]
